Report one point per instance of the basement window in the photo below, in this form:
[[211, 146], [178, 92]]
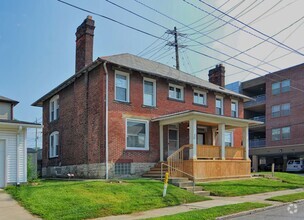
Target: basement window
[[122, 168]]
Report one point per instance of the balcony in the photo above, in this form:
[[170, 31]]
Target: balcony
[[255, 143], [259, 100], [261, 118]]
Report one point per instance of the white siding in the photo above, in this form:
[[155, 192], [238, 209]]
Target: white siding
[[11, 160]]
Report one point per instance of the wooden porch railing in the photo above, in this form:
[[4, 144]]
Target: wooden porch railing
[[235, 153], [176, 161], [208, 152]]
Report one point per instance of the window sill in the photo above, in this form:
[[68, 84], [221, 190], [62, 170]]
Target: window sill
[[54, 121], [122, 102], [135, 149], [202, 105], [176, 100], [148, 106], [53, 157]]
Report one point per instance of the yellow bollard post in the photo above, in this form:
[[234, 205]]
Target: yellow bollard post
[[166, 184]]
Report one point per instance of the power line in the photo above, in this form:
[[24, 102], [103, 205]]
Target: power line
[[254, 29], [138, 54]]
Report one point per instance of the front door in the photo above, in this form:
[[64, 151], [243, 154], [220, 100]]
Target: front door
[[2, 163], [173, 142]]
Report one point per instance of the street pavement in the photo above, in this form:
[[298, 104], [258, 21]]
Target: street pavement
[[287, 212]]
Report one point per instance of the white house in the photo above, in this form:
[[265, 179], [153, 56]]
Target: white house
[[13, 157]]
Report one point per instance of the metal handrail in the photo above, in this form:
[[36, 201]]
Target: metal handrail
[[161, 173]]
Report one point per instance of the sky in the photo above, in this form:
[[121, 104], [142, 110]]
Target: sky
[[37, 40]]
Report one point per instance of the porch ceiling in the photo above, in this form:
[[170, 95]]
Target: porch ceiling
[[204, 118]]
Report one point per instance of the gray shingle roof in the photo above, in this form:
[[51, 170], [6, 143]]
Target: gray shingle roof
[[146, 66], [162, 70], [5, 99]]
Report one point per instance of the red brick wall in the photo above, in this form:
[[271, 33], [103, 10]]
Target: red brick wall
[[82, 133], [296, 99]]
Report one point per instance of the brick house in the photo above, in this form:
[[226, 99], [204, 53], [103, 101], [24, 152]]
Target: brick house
[[122, 114]]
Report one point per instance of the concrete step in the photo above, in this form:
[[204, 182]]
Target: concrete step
[[152, 175], [158, 169], [190, 188], [202, 193], [159, 165], [183, 184], [173, 180]]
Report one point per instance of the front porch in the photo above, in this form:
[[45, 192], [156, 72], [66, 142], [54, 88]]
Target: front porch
[[209, 152]]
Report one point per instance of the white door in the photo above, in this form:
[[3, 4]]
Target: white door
[[2, 163]]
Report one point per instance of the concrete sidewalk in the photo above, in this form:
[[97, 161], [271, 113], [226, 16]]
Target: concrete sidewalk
[[10, 209], [217, 201]]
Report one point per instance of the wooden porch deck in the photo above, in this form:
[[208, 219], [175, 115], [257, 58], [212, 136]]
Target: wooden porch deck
[[209, 164]]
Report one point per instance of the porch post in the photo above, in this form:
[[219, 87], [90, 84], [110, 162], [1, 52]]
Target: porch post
[[192, 137], [161, 142], [246, 142], [221, 139]]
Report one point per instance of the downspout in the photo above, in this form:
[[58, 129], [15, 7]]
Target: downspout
[[17, 155], [107, 116]]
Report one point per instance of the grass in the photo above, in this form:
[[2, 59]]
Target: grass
[[288, 198], [82, 199], [213, 213], [254, 185]]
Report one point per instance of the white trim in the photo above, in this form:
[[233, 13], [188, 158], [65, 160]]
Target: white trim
[[127, 75], [222, 104], [176, 87], [236, 106], [200, 93], [232, 137], [56, 141], [154, 91], [55, 100], [147, 130]]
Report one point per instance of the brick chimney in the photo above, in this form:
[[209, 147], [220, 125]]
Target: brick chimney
[[84, 43], [217, 75]]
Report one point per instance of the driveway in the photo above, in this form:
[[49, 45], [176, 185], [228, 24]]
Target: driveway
[[10, 209], [286, 212]]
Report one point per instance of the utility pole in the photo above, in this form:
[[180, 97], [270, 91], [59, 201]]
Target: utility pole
[[175, 44]]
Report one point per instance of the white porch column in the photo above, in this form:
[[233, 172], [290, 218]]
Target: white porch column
[[246, 142], [221, 140], [192, 137], [161, 142], [213, 136]]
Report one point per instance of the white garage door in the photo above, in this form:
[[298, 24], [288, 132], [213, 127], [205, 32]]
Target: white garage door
[[2, 161]]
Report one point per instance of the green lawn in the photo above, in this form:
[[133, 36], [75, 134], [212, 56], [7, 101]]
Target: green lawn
[[254, 185], [82, 199], [288, 198], [213, 213]]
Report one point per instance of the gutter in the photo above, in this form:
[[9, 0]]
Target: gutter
[[107, 117], [17, 155]]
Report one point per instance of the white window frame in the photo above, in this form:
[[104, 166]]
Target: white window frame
[[127, 75], [199, 92], [277, 129], [236, 107], [288, 87], [285, 112], [231, 133], [273, 113], [222, 104], [52, 149], [154, 91], [147, 130], [176, 87], [277, 90], [289, 133], [55, 100]]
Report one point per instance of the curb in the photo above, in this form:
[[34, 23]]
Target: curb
[[254, 211]]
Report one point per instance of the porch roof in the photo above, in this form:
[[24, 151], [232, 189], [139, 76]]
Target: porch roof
[[204, 117]]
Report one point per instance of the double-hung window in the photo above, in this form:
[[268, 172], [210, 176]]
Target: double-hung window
[[176, 92], [286, 133], [275, 88], [54, 108], [137, 134], [149, 92], [199, 97], [285, 85], [122, 86], [285, 109], [275, 111], [276, 134], [219, 106], [228, 138], [234, 108], [54, 144]]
